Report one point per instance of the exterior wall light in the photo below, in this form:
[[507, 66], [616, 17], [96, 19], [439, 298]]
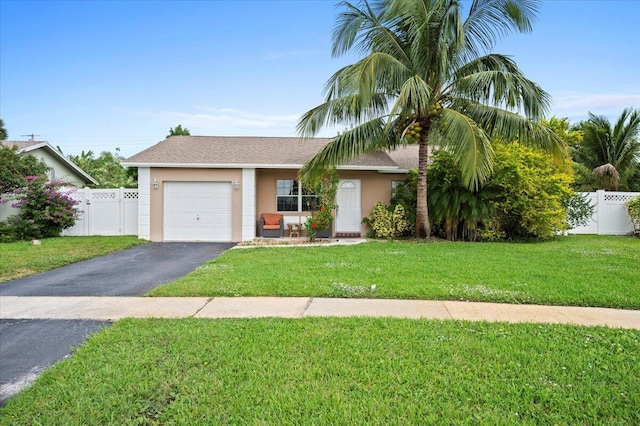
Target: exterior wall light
[[236, 184], [155, 183]]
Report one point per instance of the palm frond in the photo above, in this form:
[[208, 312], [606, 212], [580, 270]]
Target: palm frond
[[378, 72], [415, 97], [490, 20], [497, 80], [510, 126], [347, 110], [618, 145], [361, 29], [468, 144], [365, 138]]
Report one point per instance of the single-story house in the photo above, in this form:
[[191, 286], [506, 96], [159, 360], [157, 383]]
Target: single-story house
[[202, 188], [60, 167]]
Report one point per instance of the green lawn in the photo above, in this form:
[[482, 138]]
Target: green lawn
[[574, 270], [21, 259], [339, 371]]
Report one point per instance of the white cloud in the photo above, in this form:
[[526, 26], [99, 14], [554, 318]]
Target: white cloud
[[576, 105], [229, 122]]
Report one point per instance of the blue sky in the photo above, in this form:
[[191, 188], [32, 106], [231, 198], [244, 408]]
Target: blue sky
[[99, 75]]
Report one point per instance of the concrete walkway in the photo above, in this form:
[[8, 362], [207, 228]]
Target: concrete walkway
[[114, 308]]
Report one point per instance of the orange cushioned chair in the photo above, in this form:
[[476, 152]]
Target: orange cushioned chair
[[271, 225]]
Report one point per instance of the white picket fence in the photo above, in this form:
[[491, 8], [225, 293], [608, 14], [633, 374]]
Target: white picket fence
[[610, 216], [105, 212]]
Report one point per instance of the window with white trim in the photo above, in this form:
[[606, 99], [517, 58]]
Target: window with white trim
[[291, 196]]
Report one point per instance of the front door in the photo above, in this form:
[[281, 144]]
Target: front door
[[348, 213]]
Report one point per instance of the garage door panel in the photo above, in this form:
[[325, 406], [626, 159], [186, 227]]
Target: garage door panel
[[197, 211]]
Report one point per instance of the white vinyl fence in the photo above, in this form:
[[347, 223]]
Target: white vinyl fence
[[105, 212], [610, 216]]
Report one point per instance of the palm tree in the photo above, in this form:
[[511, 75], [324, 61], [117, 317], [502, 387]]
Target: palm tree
[[612, 153], [426, 79], [178, 131]]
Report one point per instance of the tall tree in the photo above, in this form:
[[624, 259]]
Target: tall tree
[[3, 132], [611, 152], [106, 169], [178, 131], [427, 78], [570, 135]]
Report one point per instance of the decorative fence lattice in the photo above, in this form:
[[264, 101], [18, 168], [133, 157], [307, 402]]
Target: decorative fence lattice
[[610, 216], [106, 212]]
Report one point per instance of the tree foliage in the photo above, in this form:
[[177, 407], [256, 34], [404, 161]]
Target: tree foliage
[[570, 135], [3, 132], [44, 210], [527, 196], [325, 188], [611, 152], [15, 167], [106, 169], [530, 192], [426, 78], [456, 211], [178, 131]]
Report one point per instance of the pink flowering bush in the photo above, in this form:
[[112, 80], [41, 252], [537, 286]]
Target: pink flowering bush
[[45, 210]]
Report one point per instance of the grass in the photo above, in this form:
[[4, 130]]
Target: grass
[[21, 259], [339, 371], [575, 270]]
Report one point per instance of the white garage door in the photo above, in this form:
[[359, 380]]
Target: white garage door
[[197, 211]]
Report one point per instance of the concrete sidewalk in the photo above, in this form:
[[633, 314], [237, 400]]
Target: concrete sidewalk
[[114, 308]]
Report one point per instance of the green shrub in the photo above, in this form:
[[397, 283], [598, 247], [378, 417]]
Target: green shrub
[[528, 196], [530, 192], [44, 210], [633, 207], [454, 210], [579, 210], [405, 194], [386, 221]]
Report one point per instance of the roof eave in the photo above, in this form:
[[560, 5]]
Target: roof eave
[[55, 152], [385, 169]]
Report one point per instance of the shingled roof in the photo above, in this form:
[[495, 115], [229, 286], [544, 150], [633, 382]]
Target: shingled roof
[[257, 152]]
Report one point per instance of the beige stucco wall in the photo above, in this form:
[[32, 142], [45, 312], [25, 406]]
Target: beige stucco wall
[[162, 175], [374, 187]]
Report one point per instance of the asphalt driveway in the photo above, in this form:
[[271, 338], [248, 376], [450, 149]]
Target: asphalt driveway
[[28, 347], [130, 272]]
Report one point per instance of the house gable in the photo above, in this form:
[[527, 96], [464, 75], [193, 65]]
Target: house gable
[[61, 167]]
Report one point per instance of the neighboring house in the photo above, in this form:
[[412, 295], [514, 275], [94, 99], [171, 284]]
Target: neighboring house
[[201, 188], [60, 168]]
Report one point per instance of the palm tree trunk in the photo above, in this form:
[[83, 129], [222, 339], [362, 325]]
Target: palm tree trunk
[[423, 228]]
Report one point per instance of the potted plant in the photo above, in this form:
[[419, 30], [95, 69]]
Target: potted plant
[[320, 222], [633, 207]]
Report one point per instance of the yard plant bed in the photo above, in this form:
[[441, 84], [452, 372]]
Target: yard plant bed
[[20, 259], [339, 371], [575, 270]]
